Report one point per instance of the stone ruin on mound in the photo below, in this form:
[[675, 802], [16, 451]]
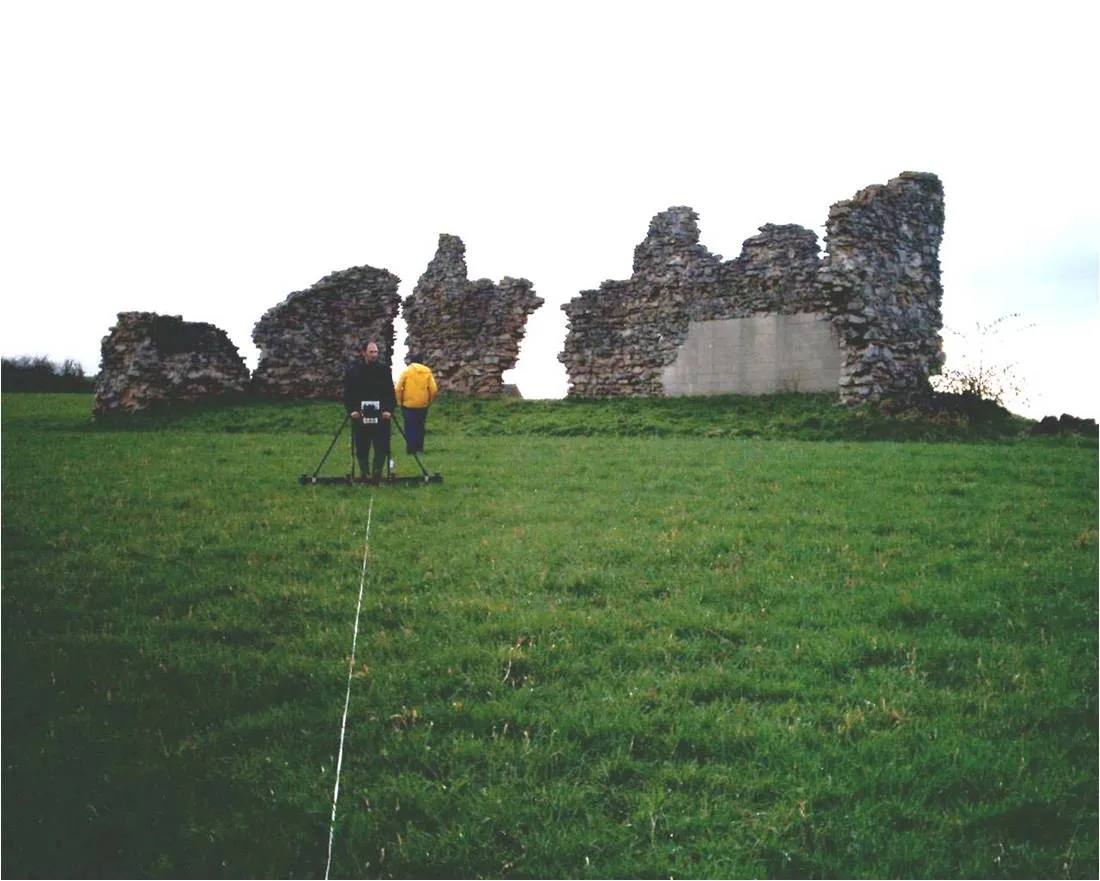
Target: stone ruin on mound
[[468, 332], [149, 360], [307, 341], [865, 320]]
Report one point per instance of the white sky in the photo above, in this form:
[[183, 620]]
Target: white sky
[[205, 159]]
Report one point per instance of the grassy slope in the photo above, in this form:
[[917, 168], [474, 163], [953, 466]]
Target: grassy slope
[[619, 640]]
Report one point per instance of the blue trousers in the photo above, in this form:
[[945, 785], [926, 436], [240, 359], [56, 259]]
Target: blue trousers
[[415, 419]]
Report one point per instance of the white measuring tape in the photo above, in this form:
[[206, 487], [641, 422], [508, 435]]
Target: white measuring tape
[[347, 698]]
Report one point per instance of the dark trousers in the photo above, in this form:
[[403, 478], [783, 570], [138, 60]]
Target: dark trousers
[[415, 419], [367, 436]]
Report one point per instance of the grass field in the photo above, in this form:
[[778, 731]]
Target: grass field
[[686, 638]]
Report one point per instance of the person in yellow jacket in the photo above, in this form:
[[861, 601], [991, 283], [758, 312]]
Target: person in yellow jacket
[[416, 389]]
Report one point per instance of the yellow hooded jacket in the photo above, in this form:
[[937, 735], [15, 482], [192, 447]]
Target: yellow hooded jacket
[[416, 387]]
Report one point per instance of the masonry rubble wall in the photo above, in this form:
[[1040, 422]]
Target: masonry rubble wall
[[877, 287], [881, 275], [307, 340], [468, 332], [148, 361], [621, 335], [877, 290]]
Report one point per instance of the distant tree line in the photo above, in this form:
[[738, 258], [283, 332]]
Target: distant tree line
[[40, 374]]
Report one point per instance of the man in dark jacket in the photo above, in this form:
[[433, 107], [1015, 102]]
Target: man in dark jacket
[[369, 400]]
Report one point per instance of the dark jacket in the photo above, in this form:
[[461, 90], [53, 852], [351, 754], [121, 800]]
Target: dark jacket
[[368, 382]]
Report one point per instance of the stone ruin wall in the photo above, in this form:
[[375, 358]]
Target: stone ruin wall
[[619, 333], [148, 361], [881, 273], [307, 341], [623, 336], [878, 287], [468, 332]]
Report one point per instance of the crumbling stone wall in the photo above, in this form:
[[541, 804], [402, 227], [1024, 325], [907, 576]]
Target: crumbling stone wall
[[878, 286], [307, 341], [150, 360], [881, 274], [468, 332], [776, 273], [623, 336]]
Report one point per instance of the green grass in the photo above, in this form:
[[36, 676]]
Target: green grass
[[622, 639]]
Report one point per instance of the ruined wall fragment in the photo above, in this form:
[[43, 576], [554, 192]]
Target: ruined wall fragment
[[150, 361], [882, 277], [308, 339], [622, 335], [625, 338], [865, 321], [468, 332], [775, 273]]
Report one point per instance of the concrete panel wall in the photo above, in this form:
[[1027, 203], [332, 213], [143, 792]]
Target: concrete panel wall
[[760, 355]]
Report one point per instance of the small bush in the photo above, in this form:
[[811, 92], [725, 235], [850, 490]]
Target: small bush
[[977, 378]]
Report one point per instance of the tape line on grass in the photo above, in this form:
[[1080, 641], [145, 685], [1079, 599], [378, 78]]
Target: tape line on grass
[[347, 698]]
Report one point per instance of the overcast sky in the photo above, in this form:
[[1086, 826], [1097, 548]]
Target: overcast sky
[[205, 159]]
